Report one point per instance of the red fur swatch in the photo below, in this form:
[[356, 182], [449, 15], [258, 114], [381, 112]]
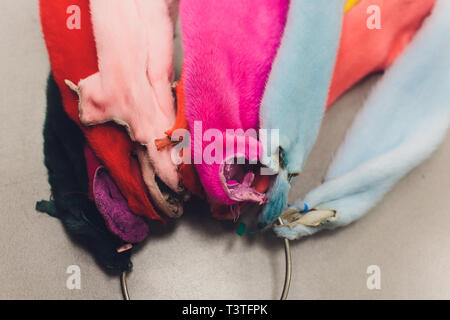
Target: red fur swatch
[[73, 56]]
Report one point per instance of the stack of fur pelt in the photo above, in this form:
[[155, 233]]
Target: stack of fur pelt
[[116, 120]]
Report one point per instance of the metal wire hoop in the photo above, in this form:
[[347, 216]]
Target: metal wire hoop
[[288, 272], [287, 276], [124, 286]]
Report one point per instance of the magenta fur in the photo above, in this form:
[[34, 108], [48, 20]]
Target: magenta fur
[[229, 47]]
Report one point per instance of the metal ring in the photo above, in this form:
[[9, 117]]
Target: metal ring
[[287, 276], [288, 272], [124, 286]]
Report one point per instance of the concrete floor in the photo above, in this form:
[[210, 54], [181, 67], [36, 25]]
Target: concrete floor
[[407, 235]]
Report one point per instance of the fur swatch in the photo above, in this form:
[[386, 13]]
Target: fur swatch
[[73, 56], [363, 50], [134, 41], [67, 174], [188, 175], [111, 204], [229, 47], [297, 90], [402, 122]]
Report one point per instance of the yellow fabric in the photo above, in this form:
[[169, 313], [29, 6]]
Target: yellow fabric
[[350, 4]]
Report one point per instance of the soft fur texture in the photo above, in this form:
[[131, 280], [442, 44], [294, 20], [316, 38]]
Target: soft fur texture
[[294, 102], [229, 47], [401, 124], [363, 51], [111, 204], [188, 175], [166, 200], [113, 207], [67, 175], [73, 56], [134, 42]]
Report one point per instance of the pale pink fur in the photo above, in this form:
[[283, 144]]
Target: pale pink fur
[[134, 41]]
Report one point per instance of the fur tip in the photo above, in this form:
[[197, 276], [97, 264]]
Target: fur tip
[[277, 199]]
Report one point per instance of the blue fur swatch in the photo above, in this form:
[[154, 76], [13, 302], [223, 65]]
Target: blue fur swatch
[[297, 89], [403, 121]]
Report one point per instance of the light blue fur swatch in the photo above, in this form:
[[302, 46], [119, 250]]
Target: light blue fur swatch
[[403, 121], [297, 90]]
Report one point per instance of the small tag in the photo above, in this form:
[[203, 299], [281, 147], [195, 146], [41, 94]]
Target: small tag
[[315, 218], [312, 218], [125, 247], [241, 229]]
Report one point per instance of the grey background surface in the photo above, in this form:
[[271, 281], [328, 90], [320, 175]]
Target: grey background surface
[[406, 235]]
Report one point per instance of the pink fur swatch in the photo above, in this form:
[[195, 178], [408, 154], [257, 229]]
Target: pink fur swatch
[[134, 42], [229, 47]]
